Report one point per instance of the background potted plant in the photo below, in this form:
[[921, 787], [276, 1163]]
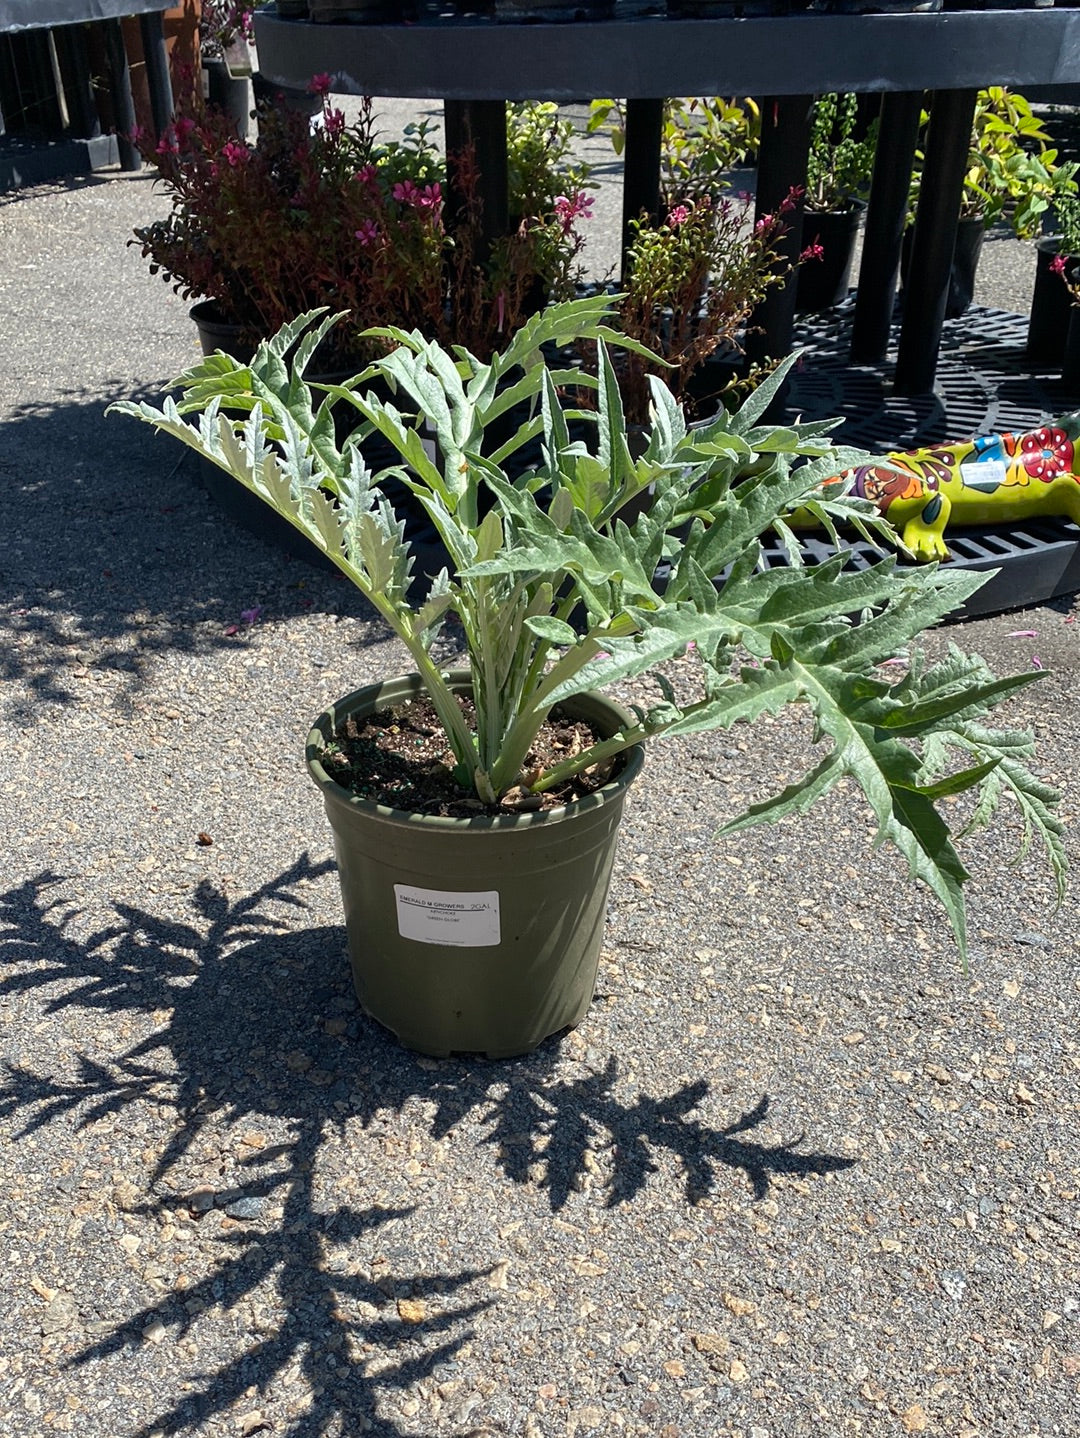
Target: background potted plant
[[691, 283], [554, 597], [226, 33], [838, 173], [703, 140], [558, 11], [1013, 176], [1057, 256], [694, 274], [1064, 270], [338, 215], [358, 12]]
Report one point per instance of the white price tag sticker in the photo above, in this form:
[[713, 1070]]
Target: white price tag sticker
[[441, 916], [983, 473]]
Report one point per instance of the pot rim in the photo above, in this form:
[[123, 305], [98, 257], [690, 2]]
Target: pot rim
[[633, 761], [1051, 245], [209, 311], [208, 317], [853, 207]]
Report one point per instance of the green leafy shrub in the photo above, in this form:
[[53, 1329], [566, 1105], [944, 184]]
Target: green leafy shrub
[[841, 161], [701, 140], [1013, 173]]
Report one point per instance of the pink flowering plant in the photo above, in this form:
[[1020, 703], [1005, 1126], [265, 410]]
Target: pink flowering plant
[[224, 23], [541, 166], [1066, 236], [335, 215], [692, 282]]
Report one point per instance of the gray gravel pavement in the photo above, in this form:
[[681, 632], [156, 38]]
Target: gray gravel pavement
[[796, 1173]]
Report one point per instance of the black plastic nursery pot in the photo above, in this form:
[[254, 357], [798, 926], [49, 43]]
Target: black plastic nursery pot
[[228, 93], [303, 102], [1051, 305], [481, 935], [1070, 359], [823, 283], [217, 333], [967, 248]]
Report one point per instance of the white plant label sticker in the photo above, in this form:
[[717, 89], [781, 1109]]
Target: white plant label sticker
[[442, 916], [984, 474]]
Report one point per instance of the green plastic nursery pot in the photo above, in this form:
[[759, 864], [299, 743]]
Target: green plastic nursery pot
[[473, 935]]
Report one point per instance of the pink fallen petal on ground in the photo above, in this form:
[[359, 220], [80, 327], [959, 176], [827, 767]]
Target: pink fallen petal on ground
[[232, 629], [1022, 634], [1036, 662], [249, 616]]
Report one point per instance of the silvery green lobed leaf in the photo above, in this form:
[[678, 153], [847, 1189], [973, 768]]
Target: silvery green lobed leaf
[[609, 558]]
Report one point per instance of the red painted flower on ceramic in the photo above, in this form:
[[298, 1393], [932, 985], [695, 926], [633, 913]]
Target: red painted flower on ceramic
[[1045, 453]]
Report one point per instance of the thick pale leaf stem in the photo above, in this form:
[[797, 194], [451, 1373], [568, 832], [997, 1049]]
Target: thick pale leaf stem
[[449, 712], [595, 754], [535, 671], [485, 675], [534, 711]]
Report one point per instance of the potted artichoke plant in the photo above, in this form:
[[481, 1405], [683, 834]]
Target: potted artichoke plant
[[474, 881]]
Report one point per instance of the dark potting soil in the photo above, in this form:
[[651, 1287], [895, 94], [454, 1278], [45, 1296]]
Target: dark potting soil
[[401, 757]]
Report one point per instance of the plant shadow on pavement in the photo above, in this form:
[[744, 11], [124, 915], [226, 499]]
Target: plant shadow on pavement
[[244, 1016], [114, 554]]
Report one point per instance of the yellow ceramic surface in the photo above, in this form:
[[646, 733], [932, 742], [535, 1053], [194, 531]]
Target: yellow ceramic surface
[[991, 479]]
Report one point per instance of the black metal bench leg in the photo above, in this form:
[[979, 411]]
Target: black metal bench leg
[[641, 167], [782, 157], [157, 70], [75, 72], [481, 126], [120, 90], [884, 233], [926, 290]]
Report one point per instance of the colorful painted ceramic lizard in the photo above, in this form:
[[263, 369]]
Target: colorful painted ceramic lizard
[[991, 479]]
